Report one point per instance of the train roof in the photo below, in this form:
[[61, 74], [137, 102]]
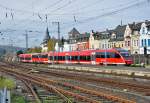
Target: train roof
[[25, 55]]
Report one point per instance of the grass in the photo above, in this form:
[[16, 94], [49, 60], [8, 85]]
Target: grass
[[17, 99], [5, 82]]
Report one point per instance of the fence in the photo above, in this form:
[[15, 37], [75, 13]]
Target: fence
[[140, 58]]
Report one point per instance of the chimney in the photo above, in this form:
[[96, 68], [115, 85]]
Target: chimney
[[92, 31], [146, 20]]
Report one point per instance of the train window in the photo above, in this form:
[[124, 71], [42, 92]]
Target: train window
[[63, 57], [58, 57], [83, 58], [117, 55], [105, 55], [35, 56], [110, 55], [76, 57], [55, 58], [50, 58], [98, 56], [93, 57], [102, 54], [28, 58], [67, 57], [88, 58], [72, 58], [21, 58], [44, 56]]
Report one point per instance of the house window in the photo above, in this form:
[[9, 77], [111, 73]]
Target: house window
[[103, 46], [134, 42], [137, 42], [142, 42], [145, 42], [148, 42], [114, 44], [108, 45], [92, 46], [127, 43]]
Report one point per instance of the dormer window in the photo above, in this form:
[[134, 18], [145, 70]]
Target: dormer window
[[113, 36], [143, 30]]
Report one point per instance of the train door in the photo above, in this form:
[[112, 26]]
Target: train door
[[93, 61], [66, 58], [118, 59]]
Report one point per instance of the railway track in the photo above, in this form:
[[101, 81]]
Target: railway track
[[30, 88], [85, 95], [25, 66], [144, 89]]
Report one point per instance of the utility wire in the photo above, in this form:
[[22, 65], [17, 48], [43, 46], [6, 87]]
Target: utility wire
[[61, 7], [52, 5], [107, 14]]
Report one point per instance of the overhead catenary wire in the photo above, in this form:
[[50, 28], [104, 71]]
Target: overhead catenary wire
[[80, 21], [113, 12]]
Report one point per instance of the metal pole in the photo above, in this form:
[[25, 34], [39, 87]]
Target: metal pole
[[105, 54], [105, 50], [26, 40], [58, 24]]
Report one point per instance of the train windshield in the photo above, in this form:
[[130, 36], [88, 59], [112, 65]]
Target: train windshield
[[124, 53]]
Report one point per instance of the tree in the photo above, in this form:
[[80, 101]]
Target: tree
[[62, 41], [19, 52], [5, 82], [51, 44], [35, 50]]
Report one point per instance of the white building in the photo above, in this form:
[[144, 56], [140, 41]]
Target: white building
[[145, 37]]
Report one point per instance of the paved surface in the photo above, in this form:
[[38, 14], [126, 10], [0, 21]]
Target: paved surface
[[4, 96], [137, 71]]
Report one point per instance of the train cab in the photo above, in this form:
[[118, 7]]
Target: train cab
[[26, 58]]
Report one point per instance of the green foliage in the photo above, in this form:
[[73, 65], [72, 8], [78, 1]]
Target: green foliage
[[34, 50], [51, 44], [62, 41], [17, 99], [136, 65], [4, 82]]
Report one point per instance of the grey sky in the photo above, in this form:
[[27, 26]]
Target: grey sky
[[85, 15]]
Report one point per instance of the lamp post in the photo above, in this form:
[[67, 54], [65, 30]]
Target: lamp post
[[26, 37], [105, 46]]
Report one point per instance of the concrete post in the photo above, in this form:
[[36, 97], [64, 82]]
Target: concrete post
[[8, 97], [4, 95]]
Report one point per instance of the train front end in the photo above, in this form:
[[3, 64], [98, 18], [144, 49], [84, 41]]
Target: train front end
[[126, 56]]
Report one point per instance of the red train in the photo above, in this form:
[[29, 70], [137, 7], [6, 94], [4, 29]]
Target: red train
[[95, 57]]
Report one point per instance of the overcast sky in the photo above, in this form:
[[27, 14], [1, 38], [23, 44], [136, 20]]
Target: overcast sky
[[16, 16]]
